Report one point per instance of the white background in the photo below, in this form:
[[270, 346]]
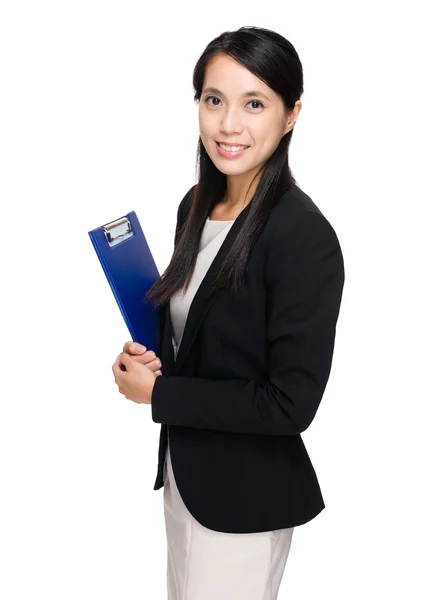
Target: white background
[[97, 119]]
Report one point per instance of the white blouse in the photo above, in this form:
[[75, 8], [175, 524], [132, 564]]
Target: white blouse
[[213, 235]]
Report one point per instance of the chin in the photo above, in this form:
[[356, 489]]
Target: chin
[[231, 170]]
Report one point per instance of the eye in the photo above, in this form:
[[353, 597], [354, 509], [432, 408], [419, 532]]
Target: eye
[[216, 98], [209, 98], [257, 101]]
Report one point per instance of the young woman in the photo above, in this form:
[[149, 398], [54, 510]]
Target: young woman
[[249, 306]]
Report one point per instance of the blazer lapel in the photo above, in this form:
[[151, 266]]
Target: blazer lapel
[[166, 351], [199, 305]]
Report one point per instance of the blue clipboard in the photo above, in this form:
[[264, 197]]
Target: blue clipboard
[[130, 269]]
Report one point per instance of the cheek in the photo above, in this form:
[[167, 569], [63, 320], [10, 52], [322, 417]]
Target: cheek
[[267, 144], [205, 135], [206, 122], [268, 135]]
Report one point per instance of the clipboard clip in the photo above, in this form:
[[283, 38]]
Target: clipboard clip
[[117, 231]]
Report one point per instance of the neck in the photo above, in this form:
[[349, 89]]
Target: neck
[[240, 190]]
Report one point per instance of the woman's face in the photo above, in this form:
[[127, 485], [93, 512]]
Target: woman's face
[[231, 116]]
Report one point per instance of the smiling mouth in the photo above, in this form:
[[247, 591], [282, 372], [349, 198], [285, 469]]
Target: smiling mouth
[[239, 146]]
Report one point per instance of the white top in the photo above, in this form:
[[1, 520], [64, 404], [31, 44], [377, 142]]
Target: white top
[[213, 235]]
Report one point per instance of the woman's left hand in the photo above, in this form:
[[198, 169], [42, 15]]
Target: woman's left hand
[[136, 383]]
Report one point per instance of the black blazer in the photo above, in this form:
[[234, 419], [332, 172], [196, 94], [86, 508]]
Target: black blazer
[[250, 373]]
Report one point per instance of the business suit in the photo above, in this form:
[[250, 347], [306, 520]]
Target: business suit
[[250, 373]]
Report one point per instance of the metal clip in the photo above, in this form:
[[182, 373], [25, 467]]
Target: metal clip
[[121, 227]]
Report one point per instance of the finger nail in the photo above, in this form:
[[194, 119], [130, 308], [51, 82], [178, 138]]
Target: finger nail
[[140, 348]]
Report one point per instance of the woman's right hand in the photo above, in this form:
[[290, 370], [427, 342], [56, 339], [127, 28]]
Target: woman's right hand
[[140, 354]]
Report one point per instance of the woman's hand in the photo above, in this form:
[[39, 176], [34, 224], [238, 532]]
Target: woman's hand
[[139, 354], [136, 382]]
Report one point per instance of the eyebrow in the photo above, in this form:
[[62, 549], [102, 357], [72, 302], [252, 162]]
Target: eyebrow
[[214, 90]]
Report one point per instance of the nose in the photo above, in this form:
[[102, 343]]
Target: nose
[[230, 123]]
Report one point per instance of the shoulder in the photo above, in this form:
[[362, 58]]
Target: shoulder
[[302, 243], [297, 218], [301, 240]]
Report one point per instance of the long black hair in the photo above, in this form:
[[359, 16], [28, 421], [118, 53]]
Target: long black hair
[[272, 58]]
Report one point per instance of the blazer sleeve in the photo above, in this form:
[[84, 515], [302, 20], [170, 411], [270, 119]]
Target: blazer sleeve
[[304, 279]]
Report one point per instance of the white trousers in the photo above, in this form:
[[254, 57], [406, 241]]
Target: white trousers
[[210, 565]]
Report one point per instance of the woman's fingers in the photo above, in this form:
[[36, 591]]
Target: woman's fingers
[[134, 348], [152, 363], [139, 353]]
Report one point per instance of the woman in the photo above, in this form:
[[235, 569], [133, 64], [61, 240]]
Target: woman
[[249, 305]]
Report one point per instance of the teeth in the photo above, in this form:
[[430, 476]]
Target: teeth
[[232, 148]]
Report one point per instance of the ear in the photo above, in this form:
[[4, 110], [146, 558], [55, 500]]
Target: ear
[[292, 117], [290, 124]]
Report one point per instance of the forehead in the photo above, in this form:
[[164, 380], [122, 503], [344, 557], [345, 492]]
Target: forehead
[[224, 74]]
